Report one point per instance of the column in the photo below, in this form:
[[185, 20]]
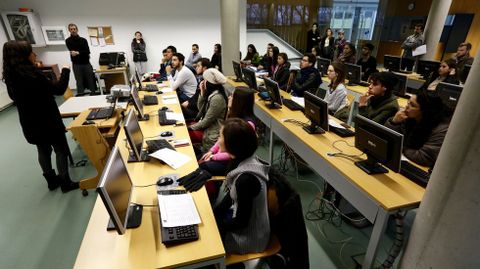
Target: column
[[434, 26], [445, 233], [230, 29]]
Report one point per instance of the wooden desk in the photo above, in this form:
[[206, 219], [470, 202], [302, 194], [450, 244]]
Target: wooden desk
[[142, 247], [119, 76], [73, 106]]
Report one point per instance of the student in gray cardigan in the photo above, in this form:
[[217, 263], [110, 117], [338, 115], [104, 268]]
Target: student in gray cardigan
[[336, 95], [242, 215]]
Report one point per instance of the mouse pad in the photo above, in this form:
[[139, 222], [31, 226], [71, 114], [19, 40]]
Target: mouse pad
[[171, 186]]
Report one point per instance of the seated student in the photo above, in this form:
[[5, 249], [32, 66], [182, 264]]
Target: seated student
[[269, 62], [282, 71], [242, 215], [189, 107], [424, 124], [308, 78], [367, 61], [252, 57], [447, 72], [240, 105], [166, 65], [194, 57], [348, 54], [463, 57], [336, 95], [212, 106], [184, 81], [379, 103]]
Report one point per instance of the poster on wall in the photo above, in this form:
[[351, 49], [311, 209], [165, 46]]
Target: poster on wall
[[20, 27], [100, 35], [54, 35]]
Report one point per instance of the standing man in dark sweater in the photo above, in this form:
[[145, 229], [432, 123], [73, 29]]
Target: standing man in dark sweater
[[367, 61], [80, 56]]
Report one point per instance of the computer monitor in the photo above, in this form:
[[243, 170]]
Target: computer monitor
[[137, 103], [115, 188], [238, 71], [465, 71], [316, 110], [250, 78], [135, 139], [392, 63], [381, 144], [400, 88], [354, 74], [274, 92], [449, 93], [425, 68], [322, 66]]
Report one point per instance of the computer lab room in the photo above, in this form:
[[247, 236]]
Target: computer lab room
[[240, 134]]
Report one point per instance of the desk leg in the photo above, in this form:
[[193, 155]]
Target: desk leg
[[377, 232], [270, 149]]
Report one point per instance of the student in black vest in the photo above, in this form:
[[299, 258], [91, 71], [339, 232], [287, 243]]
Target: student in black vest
[[282, 72], [33, 94]]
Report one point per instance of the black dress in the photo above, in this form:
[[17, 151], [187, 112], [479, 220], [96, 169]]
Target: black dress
[[217, 61], [312, 39]]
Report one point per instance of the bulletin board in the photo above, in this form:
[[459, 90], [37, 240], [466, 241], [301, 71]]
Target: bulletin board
[[100, 36]]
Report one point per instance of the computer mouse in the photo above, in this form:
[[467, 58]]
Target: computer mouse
[[88, 122], [167, 133], [165, 181], [164, 108], [159, 92]]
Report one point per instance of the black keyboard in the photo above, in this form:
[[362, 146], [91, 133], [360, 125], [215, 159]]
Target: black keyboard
[[179, 234], [414, 173], [151, 88], [341, 131], [403, 71], [101, 113], [162, 118], [154, 145], [292, 105], [149, 100]]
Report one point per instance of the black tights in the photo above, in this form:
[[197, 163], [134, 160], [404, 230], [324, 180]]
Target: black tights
[[61, 153]]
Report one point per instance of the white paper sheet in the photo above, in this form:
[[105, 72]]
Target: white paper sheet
[[169, 100], [165, 89], [174, 116], [101, 41], [94, 41], [178, 210], [419, 50], [335, 124], [299, 100], [173, 158]]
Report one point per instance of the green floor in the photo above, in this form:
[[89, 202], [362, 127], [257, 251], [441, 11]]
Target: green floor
[[44, 229]]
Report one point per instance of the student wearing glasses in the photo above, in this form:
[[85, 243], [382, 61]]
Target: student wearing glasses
[[308, 78], [424, 124]]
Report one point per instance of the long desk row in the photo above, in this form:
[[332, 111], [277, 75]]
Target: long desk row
[[142, 247], [375, 196]]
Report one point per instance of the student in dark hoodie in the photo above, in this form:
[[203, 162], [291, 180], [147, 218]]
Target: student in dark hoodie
[[308, 78], [282, 71]]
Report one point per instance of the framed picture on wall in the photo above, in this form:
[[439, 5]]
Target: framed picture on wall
[[54, 35]]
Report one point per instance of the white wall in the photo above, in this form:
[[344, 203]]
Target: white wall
[[4, 99], [162, 22], [261, 37]]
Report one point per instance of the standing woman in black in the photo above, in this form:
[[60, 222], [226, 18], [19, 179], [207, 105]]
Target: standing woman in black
[[217, 57], [327, 44], [33, 94], [139, 53], [313, 37]]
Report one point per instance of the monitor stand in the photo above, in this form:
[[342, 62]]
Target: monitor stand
[[143, 157], [145, 117], [371, 166], [238, 80], [134, 218], [313, 129], [274, 105]]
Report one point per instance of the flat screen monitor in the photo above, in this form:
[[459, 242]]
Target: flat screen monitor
[[250, 78], [354, 74], [238, 71], [322, 66], [464, 74], [381, 145], [274, 93], [392, 63], [316, 110], [449, 93], [115, 188], [134, 138], [137, 103], [425, 68], [400, 88]]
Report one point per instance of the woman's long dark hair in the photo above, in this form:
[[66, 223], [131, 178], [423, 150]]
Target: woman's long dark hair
[[141, 38], [250, 54], [219, 48], [240, 140], [341, 73], [16, 62], [210, 88], [433, 113], [242, 105]]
